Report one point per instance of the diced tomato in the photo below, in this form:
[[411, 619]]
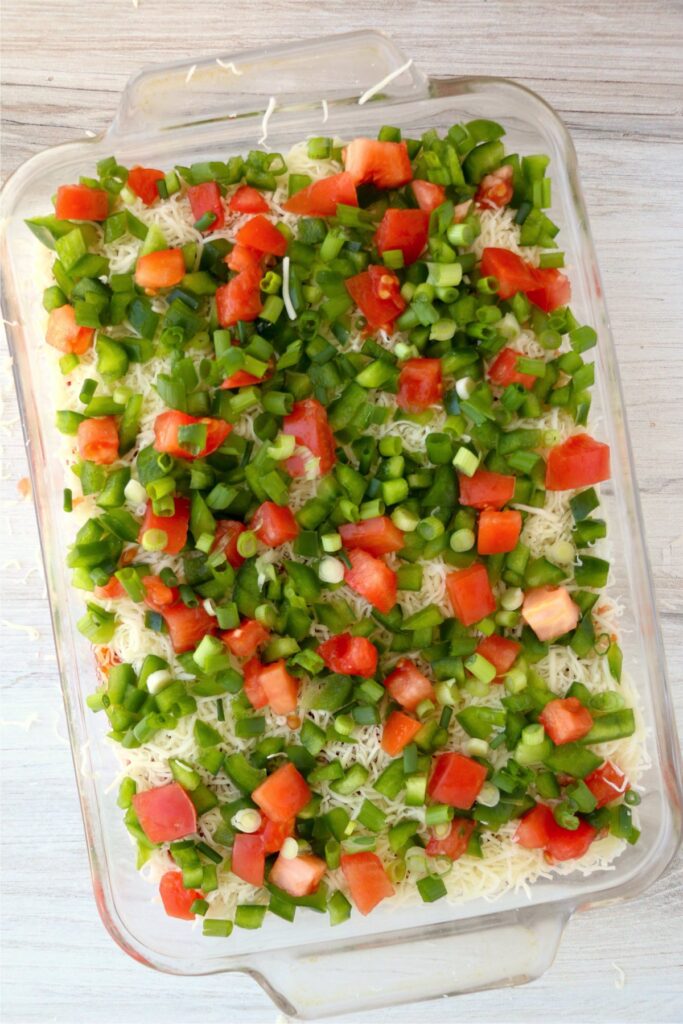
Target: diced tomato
[[225, 540], [377, 293], [498, 532], [258, 233], [241, 257], [175, 526], [580, 461], [500, 651], [406, 230], [64, 333], [299, 876], [428, 195], [206, 198], [566, 844], [550, 612], [246, 639], [281, 688], [161, 269], [143, 181], [165, 813], [81, 202], [533, 830], [455, 843], [248, 200], [372, 579], [240, 298], [307, 423], [566, 720], [511, 271], [607, 783], [552, 289], [242, 379], [503, 370], [408, 686], [283, 794], [420, 384], [385, 164], [166, 434], [257, 696], [377, 536], [485, 489], [274, 833], [249, 858], [470, 594], [157, 594], [399, 730], [187, 626], [456, 780], [349, 655], [111, 591], [98, 440], [321, 198], [178, 900], [367, 880], [274, 525], [496, 189]]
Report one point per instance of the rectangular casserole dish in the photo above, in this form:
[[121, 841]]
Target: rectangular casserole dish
[[212, 109]]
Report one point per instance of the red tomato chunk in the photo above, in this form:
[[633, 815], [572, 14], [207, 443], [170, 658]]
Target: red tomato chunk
[[307, 423], [408, 686], [385, 164], [577, 462], [246, 639], [420, 384], [377, 293], [503, 370], [406, 230], [165, 813], [299, 876], [98, 440], [167, 438], [372, 579], [498, 532], [206, 198], [143, 182], [455, 843], [247, 200], [377, 536], [367, 880], [321, 198], [566, 720], [399, 731], [349, 655], [500, 651], [65, 334], [175, 527], [81, 202], [607, 783], [485, 489], [274, 525], [283, 794], [249, 858], [178, 900], [470, 594], [456, 780]]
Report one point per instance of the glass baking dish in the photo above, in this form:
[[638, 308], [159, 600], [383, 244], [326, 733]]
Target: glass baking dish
[[187, 112]]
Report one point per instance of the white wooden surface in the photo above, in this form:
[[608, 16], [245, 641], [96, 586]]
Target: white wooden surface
[[614, 70]]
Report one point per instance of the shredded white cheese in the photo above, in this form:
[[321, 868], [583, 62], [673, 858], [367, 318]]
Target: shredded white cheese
[[266, 118], [378, 86], [291, 312]]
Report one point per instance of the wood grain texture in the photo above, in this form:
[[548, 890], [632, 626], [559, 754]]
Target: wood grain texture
[[614, 70]]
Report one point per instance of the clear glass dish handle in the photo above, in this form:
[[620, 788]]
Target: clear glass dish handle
[[507, 949], [194, 93]]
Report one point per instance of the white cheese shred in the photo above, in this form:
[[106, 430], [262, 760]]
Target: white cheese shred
[[228, 65], [291, 312], [190, 73], [266, 118], [378, 86]]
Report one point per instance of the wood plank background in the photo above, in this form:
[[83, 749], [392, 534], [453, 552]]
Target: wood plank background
[[614, 70]]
